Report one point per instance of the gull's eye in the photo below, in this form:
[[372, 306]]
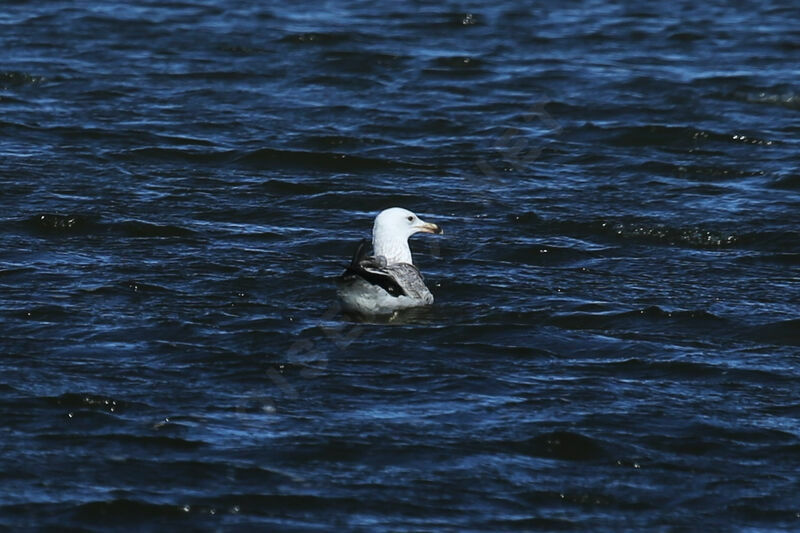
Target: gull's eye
[[410, 218]]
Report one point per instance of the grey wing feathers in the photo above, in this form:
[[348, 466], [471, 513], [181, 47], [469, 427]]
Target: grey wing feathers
[[409, 279], [398, 279], [371, 270]]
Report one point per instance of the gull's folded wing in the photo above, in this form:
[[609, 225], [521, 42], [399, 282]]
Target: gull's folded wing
[[371, 271]]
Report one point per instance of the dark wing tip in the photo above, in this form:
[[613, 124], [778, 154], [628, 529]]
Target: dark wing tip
[[360, 254]]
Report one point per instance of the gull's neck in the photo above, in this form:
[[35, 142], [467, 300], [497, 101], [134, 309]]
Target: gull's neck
[[392, 246]]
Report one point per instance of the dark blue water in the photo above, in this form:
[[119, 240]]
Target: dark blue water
[[615, 343]]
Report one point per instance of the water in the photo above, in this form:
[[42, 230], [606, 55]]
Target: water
[[614, 343]]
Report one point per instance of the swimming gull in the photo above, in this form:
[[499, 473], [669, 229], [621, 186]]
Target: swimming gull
[[387, 281]]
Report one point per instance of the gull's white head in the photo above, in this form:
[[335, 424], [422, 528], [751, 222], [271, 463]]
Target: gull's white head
[[391, 231]]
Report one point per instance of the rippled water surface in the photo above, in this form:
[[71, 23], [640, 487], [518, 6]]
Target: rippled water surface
[[615, 339]]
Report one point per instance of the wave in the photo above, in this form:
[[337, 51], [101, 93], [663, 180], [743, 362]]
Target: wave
[[45, 313], [787, 99], [630, 319], [562, 445], [780, 258], [438, 20], [138, 228], [323, 38], [77, 224], [666, 136], [698, 172], [694, 369], [56, 223], [548, 254], [457, 67], [786, 332], [790, 182], [12, 78], [82, 401], [130, 441], [342, 162], [272, 158], [15, 270], [637, 230], [177, 155], [364, 61]]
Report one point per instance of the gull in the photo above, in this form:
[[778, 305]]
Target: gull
[[387, 281]]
